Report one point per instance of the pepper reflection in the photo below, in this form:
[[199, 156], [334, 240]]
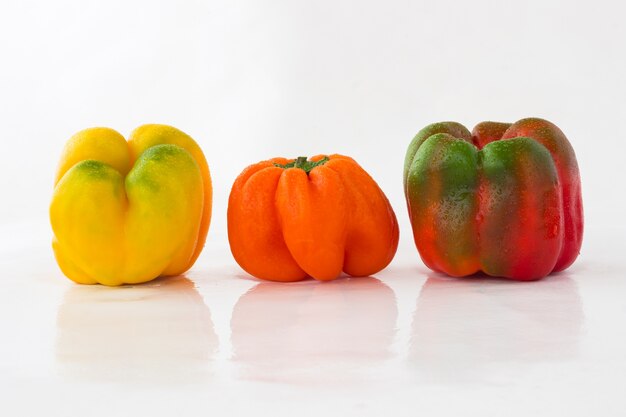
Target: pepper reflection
[[308, 331], [156, 331], [465, 329]]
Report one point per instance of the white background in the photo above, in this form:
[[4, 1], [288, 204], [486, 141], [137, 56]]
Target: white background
[[250, 80]]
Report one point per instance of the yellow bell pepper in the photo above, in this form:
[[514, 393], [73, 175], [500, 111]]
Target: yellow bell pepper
[[128, 212]]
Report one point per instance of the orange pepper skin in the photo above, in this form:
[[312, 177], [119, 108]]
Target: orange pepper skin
[[287, 223]]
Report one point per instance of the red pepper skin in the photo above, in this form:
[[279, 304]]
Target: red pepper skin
[[550, 136], [504, 199]]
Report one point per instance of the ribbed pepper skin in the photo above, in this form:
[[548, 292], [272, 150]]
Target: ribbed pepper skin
[[287, 223], [128, 212], [504, 199]]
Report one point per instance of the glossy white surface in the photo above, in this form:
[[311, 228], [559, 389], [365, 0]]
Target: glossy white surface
[[404, 342]]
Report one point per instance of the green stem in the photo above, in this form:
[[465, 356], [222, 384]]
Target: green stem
[[300, 162], [304, 164]]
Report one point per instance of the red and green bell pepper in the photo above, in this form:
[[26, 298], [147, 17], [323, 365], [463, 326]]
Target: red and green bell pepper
[[504, 199]]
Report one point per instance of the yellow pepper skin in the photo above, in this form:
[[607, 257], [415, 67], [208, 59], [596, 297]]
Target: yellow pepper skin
[[129, 212]]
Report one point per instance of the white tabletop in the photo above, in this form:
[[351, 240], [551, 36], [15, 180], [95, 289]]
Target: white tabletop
[[403, 342]]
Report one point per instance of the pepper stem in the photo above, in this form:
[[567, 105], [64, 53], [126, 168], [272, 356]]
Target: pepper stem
[[300, 162], [304, 164]]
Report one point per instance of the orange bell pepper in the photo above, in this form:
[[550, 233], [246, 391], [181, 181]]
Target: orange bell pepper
[[291, 219]]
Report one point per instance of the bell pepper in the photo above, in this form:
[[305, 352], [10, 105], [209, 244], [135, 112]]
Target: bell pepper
[[291, 219], [128, 212], [504, 199]]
